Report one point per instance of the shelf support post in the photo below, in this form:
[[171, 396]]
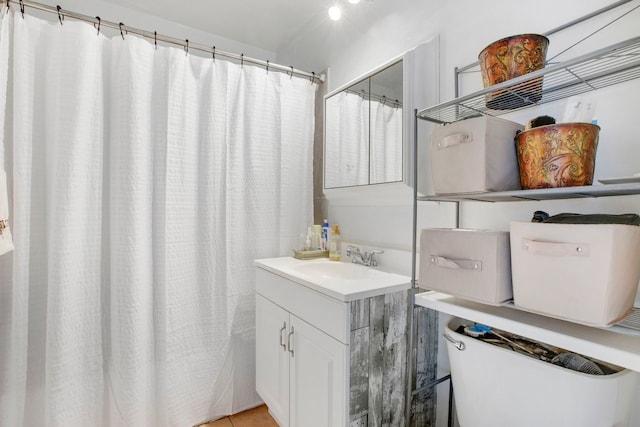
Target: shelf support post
[[412, 291]]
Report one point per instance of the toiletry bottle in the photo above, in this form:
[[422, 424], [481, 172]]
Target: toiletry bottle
[[325, 234], [308, 244], [301, 245], [334, 244], [317, 237]]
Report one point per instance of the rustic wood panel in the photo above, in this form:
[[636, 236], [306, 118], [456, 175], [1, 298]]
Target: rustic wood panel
[[360, 313], [360, 422], [359, 375], [426, 364], [395, 359], [376, 359]]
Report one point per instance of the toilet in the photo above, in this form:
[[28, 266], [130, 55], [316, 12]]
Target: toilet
[[497, 387]]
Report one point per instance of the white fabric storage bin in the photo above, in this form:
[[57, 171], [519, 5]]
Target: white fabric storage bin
[[584, 273], [497, 387], [475, 156], [472, 264]]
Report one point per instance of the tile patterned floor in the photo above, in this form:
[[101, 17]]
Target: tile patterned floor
[[256, 417]]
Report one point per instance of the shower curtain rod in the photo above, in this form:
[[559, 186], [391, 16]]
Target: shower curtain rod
[[380, 98], [152, 35]]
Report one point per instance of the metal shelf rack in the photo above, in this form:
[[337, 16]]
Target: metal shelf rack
[[608, 66], [589, 191], [598, 69]]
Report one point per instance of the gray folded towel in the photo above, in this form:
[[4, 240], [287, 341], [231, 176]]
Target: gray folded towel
[[574, 218]]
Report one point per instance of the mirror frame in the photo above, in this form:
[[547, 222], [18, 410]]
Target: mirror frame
[[420, 89]]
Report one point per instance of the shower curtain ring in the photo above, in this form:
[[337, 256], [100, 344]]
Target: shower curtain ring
[[99, 23], [267, 66], [291, 75], [241, 60], [155, 40], [313, 76], [121, 33], [22, 8], [60, 16], [8, 1], [186, 47], [213, 53]]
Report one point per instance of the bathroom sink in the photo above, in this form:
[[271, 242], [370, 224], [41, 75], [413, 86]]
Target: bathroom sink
[[341, 271], [342, 280]]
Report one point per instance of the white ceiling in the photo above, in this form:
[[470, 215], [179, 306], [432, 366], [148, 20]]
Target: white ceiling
[[266, 24]]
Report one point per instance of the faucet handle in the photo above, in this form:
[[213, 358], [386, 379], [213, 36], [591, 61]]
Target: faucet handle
[[352, 248], [372, 257]]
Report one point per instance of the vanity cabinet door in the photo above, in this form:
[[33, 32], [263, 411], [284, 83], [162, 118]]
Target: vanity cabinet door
[[272, 358], [318, 369]]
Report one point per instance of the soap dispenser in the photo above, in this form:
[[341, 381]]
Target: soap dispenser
[[334, 244]]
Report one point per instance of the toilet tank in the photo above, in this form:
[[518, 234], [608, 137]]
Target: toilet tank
[[498, 387]]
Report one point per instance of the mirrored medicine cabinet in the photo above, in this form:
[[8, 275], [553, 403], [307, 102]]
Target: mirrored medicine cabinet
[[368, 126], [363, 129]]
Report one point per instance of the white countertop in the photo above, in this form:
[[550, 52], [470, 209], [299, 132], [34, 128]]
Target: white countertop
[[371, 282], [607, 344]]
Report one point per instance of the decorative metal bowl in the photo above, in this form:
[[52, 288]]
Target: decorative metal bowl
[[560, 155], [509, 58]]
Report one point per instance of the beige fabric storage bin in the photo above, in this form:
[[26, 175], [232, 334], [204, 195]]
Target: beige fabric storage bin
[[584, 273], [472, 264], [475, 156]]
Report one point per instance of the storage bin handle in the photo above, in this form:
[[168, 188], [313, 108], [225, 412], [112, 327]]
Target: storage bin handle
[[456, 264], [555, 248], [454, 139], [457, 344]]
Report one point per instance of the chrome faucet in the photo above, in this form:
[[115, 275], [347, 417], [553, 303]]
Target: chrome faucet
[[367, 258]]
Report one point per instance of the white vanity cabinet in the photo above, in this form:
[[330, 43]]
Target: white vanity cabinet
[[331, 342], [318, 381], [272, 358], [301, 369]]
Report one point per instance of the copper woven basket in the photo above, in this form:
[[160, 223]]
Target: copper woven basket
[[509, 58], [560, 155]]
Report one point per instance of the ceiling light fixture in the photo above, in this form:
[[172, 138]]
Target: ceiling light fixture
[[335, 13]]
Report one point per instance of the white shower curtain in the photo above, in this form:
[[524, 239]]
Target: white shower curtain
[[366, 141], [386, 142], [347, 163], [142, 184]]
